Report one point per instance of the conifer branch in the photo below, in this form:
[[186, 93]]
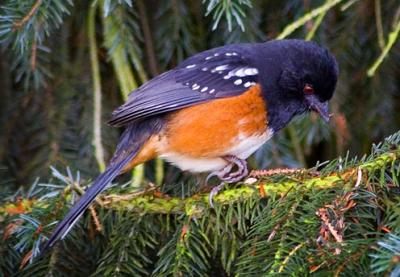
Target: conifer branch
[[154, 201], [20, 23]]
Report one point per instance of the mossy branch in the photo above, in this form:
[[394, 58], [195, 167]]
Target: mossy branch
[[261, 185]]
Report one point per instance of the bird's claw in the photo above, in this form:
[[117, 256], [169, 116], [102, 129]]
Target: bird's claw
[[213, 193], [226, 176]]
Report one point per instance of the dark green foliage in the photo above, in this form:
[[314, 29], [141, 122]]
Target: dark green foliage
[[46, 119], [231, 10], [134, 244], [175, 40], [273, 235], [24, 27], [59, 113]]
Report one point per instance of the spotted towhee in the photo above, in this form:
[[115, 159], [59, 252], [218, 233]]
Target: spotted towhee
[[215, 109]]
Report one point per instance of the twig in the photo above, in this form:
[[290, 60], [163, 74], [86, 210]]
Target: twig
[[33, 54], [98, 146], [316, 267], [126, 197], [323, 214], [334, 221], [307, 17], [22, 22], [347, 5], [96, 220], [316, 25], [391, 41], [274, 231], [359, 178], [291, 253], [276, 171], [26, 259], [378, 22]]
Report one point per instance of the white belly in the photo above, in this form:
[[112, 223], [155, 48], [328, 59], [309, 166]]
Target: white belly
[[192, 164], [243, 147]]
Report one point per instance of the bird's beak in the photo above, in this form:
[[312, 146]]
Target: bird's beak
[[317, 106]]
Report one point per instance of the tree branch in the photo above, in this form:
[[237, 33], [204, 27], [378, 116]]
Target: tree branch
[[98, 146], [307, 17], [392, 38], [22, 22], [153, 201]]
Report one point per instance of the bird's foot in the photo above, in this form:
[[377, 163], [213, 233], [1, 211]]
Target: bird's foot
[[214, 192], [221, 174], [240, 173], [225, 175]]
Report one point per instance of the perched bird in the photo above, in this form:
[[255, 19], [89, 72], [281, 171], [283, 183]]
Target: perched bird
[[214, 110]]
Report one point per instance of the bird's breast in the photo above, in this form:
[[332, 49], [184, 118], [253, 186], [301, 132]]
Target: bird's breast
[[196, 138]]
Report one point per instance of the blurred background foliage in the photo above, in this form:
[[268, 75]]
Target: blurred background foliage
[[50, 84], [65, 65]]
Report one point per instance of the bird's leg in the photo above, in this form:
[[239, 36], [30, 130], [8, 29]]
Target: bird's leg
[[226, 176], [214, 192], [221, 174], [240, 173]]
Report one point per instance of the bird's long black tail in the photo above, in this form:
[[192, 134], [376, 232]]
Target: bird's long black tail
[[131, 141], [79, 208]]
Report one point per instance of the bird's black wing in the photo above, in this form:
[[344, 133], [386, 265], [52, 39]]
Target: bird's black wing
[[217, 73]]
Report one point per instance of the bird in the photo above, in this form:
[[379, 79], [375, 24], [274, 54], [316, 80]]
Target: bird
[[215, 109]]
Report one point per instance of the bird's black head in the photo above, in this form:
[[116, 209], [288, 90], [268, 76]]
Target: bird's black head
[[304, 79]]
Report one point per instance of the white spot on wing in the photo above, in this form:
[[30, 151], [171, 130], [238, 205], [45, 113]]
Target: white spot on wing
[[238, 82], [191, 66], [204, 89], [221, 67], [212, 91], [195, 87], [250, 71], [240, 72], [204, 69]]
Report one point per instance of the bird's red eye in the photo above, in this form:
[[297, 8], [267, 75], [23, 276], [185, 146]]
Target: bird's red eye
[[308, 89]]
